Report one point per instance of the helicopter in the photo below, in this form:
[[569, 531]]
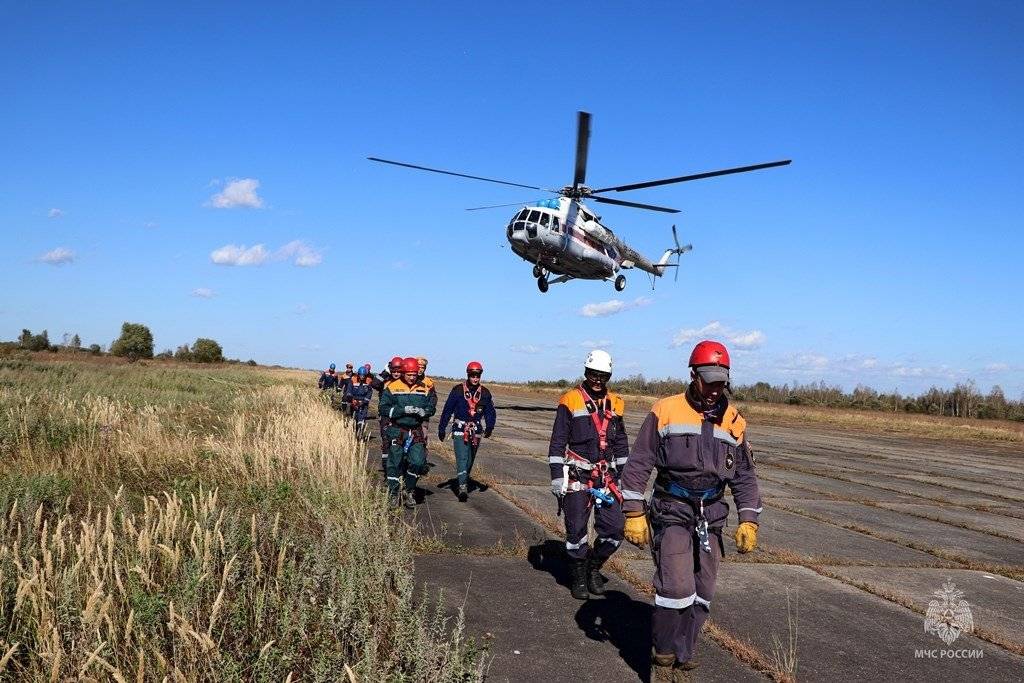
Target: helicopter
[[565, 240]]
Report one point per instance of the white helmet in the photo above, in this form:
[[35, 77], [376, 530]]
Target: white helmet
[[599, 360]]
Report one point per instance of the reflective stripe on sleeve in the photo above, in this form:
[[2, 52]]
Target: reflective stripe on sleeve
[[757, 510], [674, 603], [621, 461], [631, 495], [725, 436], [556, 460], [701, 601], [581, 413]]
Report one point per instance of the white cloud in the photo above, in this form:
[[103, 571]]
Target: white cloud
[[596, 344], [239, 192], [740, 340], [996, 367], [904, 371], [203, 293], [525, 348], [58, 256], [231, 255], [605, 308], [300, 253], [869, 363], [55, 213]]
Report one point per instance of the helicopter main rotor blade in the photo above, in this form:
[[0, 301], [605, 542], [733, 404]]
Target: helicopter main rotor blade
[[498, 206], [461, 175], [619, 202], [695, 176], [582, 145]]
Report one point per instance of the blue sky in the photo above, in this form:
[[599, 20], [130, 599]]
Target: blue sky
[[147, 147]]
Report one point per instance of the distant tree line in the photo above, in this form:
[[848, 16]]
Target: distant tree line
[[135, 342], [963, 400]]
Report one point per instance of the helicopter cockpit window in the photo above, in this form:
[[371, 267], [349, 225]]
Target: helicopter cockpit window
[[522, 215], [534, 217], [554, 224], [544, 219], [586, 216], [611, 252]]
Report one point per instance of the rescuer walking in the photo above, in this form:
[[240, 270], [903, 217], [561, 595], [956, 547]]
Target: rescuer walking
[[697, 443], [471, 406], [588, 449], [407, 403]]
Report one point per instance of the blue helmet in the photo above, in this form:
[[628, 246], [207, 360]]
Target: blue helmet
[[332, 366], [362, 372]]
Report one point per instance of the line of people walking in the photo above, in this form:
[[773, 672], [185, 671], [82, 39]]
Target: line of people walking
[[407, 401], [693, 443]]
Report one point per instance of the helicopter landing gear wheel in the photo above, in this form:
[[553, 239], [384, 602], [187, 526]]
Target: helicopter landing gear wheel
[[620, 283], [538, 271], [542, 284]]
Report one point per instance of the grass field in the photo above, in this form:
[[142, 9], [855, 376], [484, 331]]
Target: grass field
[[163, 522]]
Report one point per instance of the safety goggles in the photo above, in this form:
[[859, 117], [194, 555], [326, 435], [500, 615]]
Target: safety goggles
[[597, 376], [474, 373]]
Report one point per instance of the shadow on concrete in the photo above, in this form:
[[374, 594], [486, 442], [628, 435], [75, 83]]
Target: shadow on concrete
[[624, 623], [529, 409], [471, 486], [615, 618]]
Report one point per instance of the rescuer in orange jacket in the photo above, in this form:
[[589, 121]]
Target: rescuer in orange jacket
[[587, 451], [697, 444]]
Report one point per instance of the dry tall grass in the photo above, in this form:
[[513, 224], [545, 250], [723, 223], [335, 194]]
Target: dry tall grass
[[233, 535]]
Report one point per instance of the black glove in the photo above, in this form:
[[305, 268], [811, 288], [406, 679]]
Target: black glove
[[440, 434], [487, 434]]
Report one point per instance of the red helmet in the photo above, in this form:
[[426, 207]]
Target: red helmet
[[709, 353], [396, 363], [410, 365], [474, 366]]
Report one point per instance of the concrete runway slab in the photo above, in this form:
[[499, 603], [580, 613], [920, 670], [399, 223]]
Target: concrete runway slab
[[821, 543], [983, 521], [538, 632], [970, 544], [842, 633], [485, 520], [996, 602], [836, 487], [504, 466]]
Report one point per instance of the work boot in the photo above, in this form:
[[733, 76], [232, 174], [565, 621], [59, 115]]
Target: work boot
[[662, 668], [578, 579], [408, 500], [394, 500], [595, 582], [463, 494]]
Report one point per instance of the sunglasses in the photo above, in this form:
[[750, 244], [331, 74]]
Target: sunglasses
[[595, 376], [474, 374]]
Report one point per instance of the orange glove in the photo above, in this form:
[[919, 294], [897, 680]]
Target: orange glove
[[637, 530], [746, 537]]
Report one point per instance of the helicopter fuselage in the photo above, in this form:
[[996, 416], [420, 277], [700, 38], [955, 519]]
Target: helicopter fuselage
[[562, 236]]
